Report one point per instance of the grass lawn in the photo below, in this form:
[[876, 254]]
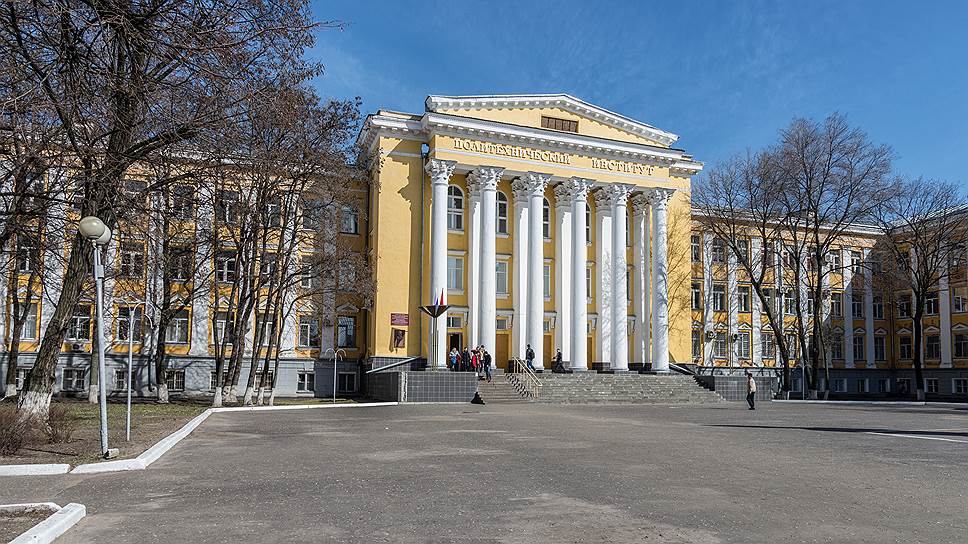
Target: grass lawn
[[150, 422]]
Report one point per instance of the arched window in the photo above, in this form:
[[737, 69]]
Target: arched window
[[546, 219], [588, 224], [455, 208], [502, 213]]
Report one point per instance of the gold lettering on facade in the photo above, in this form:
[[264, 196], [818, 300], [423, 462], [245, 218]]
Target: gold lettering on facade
[[513, 151], [621, 166]]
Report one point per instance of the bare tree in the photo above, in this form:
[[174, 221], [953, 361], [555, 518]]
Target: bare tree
[[924, 231]]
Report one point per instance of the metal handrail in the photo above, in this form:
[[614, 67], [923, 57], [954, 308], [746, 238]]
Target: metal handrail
[[530, 382]]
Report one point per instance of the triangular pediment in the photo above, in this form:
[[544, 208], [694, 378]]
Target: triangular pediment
[[528, 110]]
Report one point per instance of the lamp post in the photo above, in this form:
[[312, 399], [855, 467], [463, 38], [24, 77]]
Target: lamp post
[[94, 230], [336, 358]]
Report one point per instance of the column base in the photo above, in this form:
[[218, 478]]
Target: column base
[[655, 372]]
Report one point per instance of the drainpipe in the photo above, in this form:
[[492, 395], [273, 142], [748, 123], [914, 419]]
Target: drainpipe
[[424, 155]]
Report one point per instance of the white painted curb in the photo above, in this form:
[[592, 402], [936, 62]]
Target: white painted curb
[[155, 452], [34, 470], [54, 526]]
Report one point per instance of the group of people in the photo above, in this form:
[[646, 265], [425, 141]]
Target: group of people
[[471, 360]]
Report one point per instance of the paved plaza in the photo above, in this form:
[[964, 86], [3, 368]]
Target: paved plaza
[[530, 473]]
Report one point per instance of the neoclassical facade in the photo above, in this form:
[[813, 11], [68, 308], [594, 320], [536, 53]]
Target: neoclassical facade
[[540, 220]]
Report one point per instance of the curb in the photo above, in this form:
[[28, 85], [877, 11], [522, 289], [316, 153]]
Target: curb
[[54, 526], [34, 470], [875, 402]]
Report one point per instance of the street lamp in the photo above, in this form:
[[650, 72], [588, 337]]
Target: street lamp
[[95, 231], [336, 357]]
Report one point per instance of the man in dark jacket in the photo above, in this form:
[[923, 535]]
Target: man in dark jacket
[[465, 360], [529, 357], [487, 364]]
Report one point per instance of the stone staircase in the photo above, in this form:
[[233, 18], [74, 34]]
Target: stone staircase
[[501, 391], [623, 388]]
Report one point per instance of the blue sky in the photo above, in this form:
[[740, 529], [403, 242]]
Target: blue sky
[[724, 75]]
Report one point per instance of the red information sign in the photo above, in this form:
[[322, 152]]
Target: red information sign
[[400, 319]]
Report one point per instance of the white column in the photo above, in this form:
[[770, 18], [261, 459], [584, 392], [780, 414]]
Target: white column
[[944, 311], [848, 276], [732, 304], [440, 172], [756, 250], [563, 269], [473, 263], [708, 330], [620, 304], [487, 178], [660, 279], [869, 313], [603, 281], [641, 256], [536, 185], [579, 259], [200, 318], [519, 261]]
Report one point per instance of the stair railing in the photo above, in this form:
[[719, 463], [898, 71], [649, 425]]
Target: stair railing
[[523, 377]]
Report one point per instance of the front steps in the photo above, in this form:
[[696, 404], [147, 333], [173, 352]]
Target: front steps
[[501, 391], [623, 388]]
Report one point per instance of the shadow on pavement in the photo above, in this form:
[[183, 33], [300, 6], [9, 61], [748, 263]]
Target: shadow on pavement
[[963, 434]]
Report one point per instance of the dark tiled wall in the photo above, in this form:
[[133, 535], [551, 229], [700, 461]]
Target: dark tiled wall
[[440, 386]]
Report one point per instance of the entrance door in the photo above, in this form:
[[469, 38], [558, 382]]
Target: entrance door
[[501, 350], [454, 342], [547, 351]]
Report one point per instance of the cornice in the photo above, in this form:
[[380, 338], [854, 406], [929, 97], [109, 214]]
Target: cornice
[[563, 101]]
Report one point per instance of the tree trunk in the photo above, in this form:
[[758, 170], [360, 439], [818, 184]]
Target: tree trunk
[[918, 327]]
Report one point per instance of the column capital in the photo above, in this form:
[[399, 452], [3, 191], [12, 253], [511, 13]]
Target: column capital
[[574, 189], [530, 184], [440, 170], [640, 205], [659, 196], [484, 178], [619, 192]]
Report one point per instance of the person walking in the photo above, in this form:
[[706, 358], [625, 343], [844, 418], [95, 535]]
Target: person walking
[[557, 367], [465, 359], [529, 357], [487, 364], [453, 359], [750, 390]]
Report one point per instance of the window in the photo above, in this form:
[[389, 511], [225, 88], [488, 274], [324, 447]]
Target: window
[[346, 382], [840, 385], [546, 325], [307, 280], [880, 348], [503, 323], [863, 385], [810, 306], [718, 251], [719, 346], [270, 380], [211, 382], [904, 385], [269, 264], [554, 123], [73, 379], [696, 344], [227, 207], [182, 203], [125, 313], [883, 385], [835, 258], [346, 331], [856, 305], [455, 208], [789, 257], [961, 346], [501, 277], [455, 274], [21, 378], [859, 348], [931, 303], [80, 323], [904, 305], [180, 263], [350, 221], [960, 386], [224, 328], [769, 255], [792, 346], [547, 281], [743, 345], [177, 331], [132, 260], [904, 347], [455, 321], [789, 302], [837, 347], [719, 297], [959, 299], [502, 213], [30, 325], [743, 250], [768, 345], [588, 283], [308, 332], [175, 380], [311, 211], [120, 379], [933, 385], [837, 304], [856, 262], [745, 303], [225, 265], [932, 346], [265, 325], [796, 384], [878, 307], [306, 382], [546, 219], [768, 295], [696, 248], [696, 296], [27, 253]]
